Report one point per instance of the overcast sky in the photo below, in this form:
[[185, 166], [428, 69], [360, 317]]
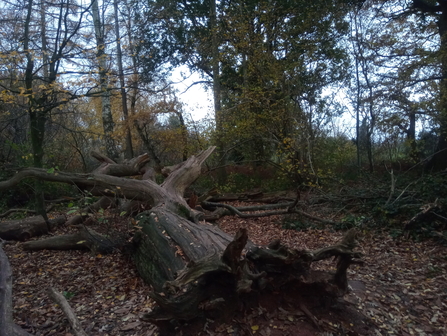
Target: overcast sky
[[198, 101]]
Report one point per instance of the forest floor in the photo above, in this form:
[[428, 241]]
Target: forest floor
[[401, 288]]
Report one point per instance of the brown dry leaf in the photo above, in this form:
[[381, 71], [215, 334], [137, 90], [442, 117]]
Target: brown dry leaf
[[130, 326]]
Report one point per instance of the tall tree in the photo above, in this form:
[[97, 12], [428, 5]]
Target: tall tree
[[103, 69], [438, 10], [42, 90], [119, 55], [270, 60]]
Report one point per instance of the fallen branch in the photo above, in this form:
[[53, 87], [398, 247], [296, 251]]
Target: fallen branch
[[240, 211], [85, 239], [27, 211], [23, 229], [72, 319], [427, 213]]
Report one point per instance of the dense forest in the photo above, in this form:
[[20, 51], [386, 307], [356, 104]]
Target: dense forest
[[329, 122]]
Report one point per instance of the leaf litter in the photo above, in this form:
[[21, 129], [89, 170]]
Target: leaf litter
[[402, 288]]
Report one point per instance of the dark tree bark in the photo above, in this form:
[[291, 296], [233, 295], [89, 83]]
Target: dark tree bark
[[85, 239], [23, 229], [439, 10], [7, 325]]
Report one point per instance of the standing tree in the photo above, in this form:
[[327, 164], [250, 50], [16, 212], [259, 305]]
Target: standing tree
[[438, 11], [119, 55], [43, 65], [103, 72]]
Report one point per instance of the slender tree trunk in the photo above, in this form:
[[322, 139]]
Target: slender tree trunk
[[37, 116], [219, 116], [129, 150], [184, 132], [101, 56], [44, 40], [439, 159], [133, 95], [357, 111]]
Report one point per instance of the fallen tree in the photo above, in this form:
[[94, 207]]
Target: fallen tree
[[195, 269], [7, 325], [23, 229]]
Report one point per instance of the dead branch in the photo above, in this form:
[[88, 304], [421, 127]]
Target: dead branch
[[23, 229], [27, 211], [240, 211], [84, 239], [72, 319]]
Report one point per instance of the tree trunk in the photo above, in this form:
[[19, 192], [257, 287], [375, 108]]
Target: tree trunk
[[106, 106], [217, 93], [128, 154], [439, 159], [7, 325]]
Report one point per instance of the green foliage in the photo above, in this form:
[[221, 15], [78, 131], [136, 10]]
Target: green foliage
[[238, 183], [101, 217], [352, 221], [68, 295], [432, 187]]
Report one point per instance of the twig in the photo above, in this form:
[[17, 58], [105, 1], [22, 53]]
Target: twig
[[403, 191]]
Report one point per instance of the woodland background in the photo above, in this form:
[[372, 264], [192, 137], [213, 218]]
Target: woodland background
[[304, 94], [342, 102]]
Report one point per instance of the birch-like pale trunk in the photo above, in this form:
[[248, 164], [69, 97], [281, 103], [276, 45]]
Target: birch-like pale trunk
[[106, 106]]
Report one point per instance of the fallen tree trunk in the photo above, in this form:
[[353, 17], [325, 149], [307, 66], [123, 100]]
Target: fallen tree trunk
[[197, 270], [25, 211], [7, 325], [23, 229], [218, 283]]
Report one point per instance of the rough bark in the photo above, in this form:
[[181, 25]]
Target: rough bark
[[215, 285], [7, 325], [128, 154], [106, 105], [128, 168], [23, 229], [168, 241]]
